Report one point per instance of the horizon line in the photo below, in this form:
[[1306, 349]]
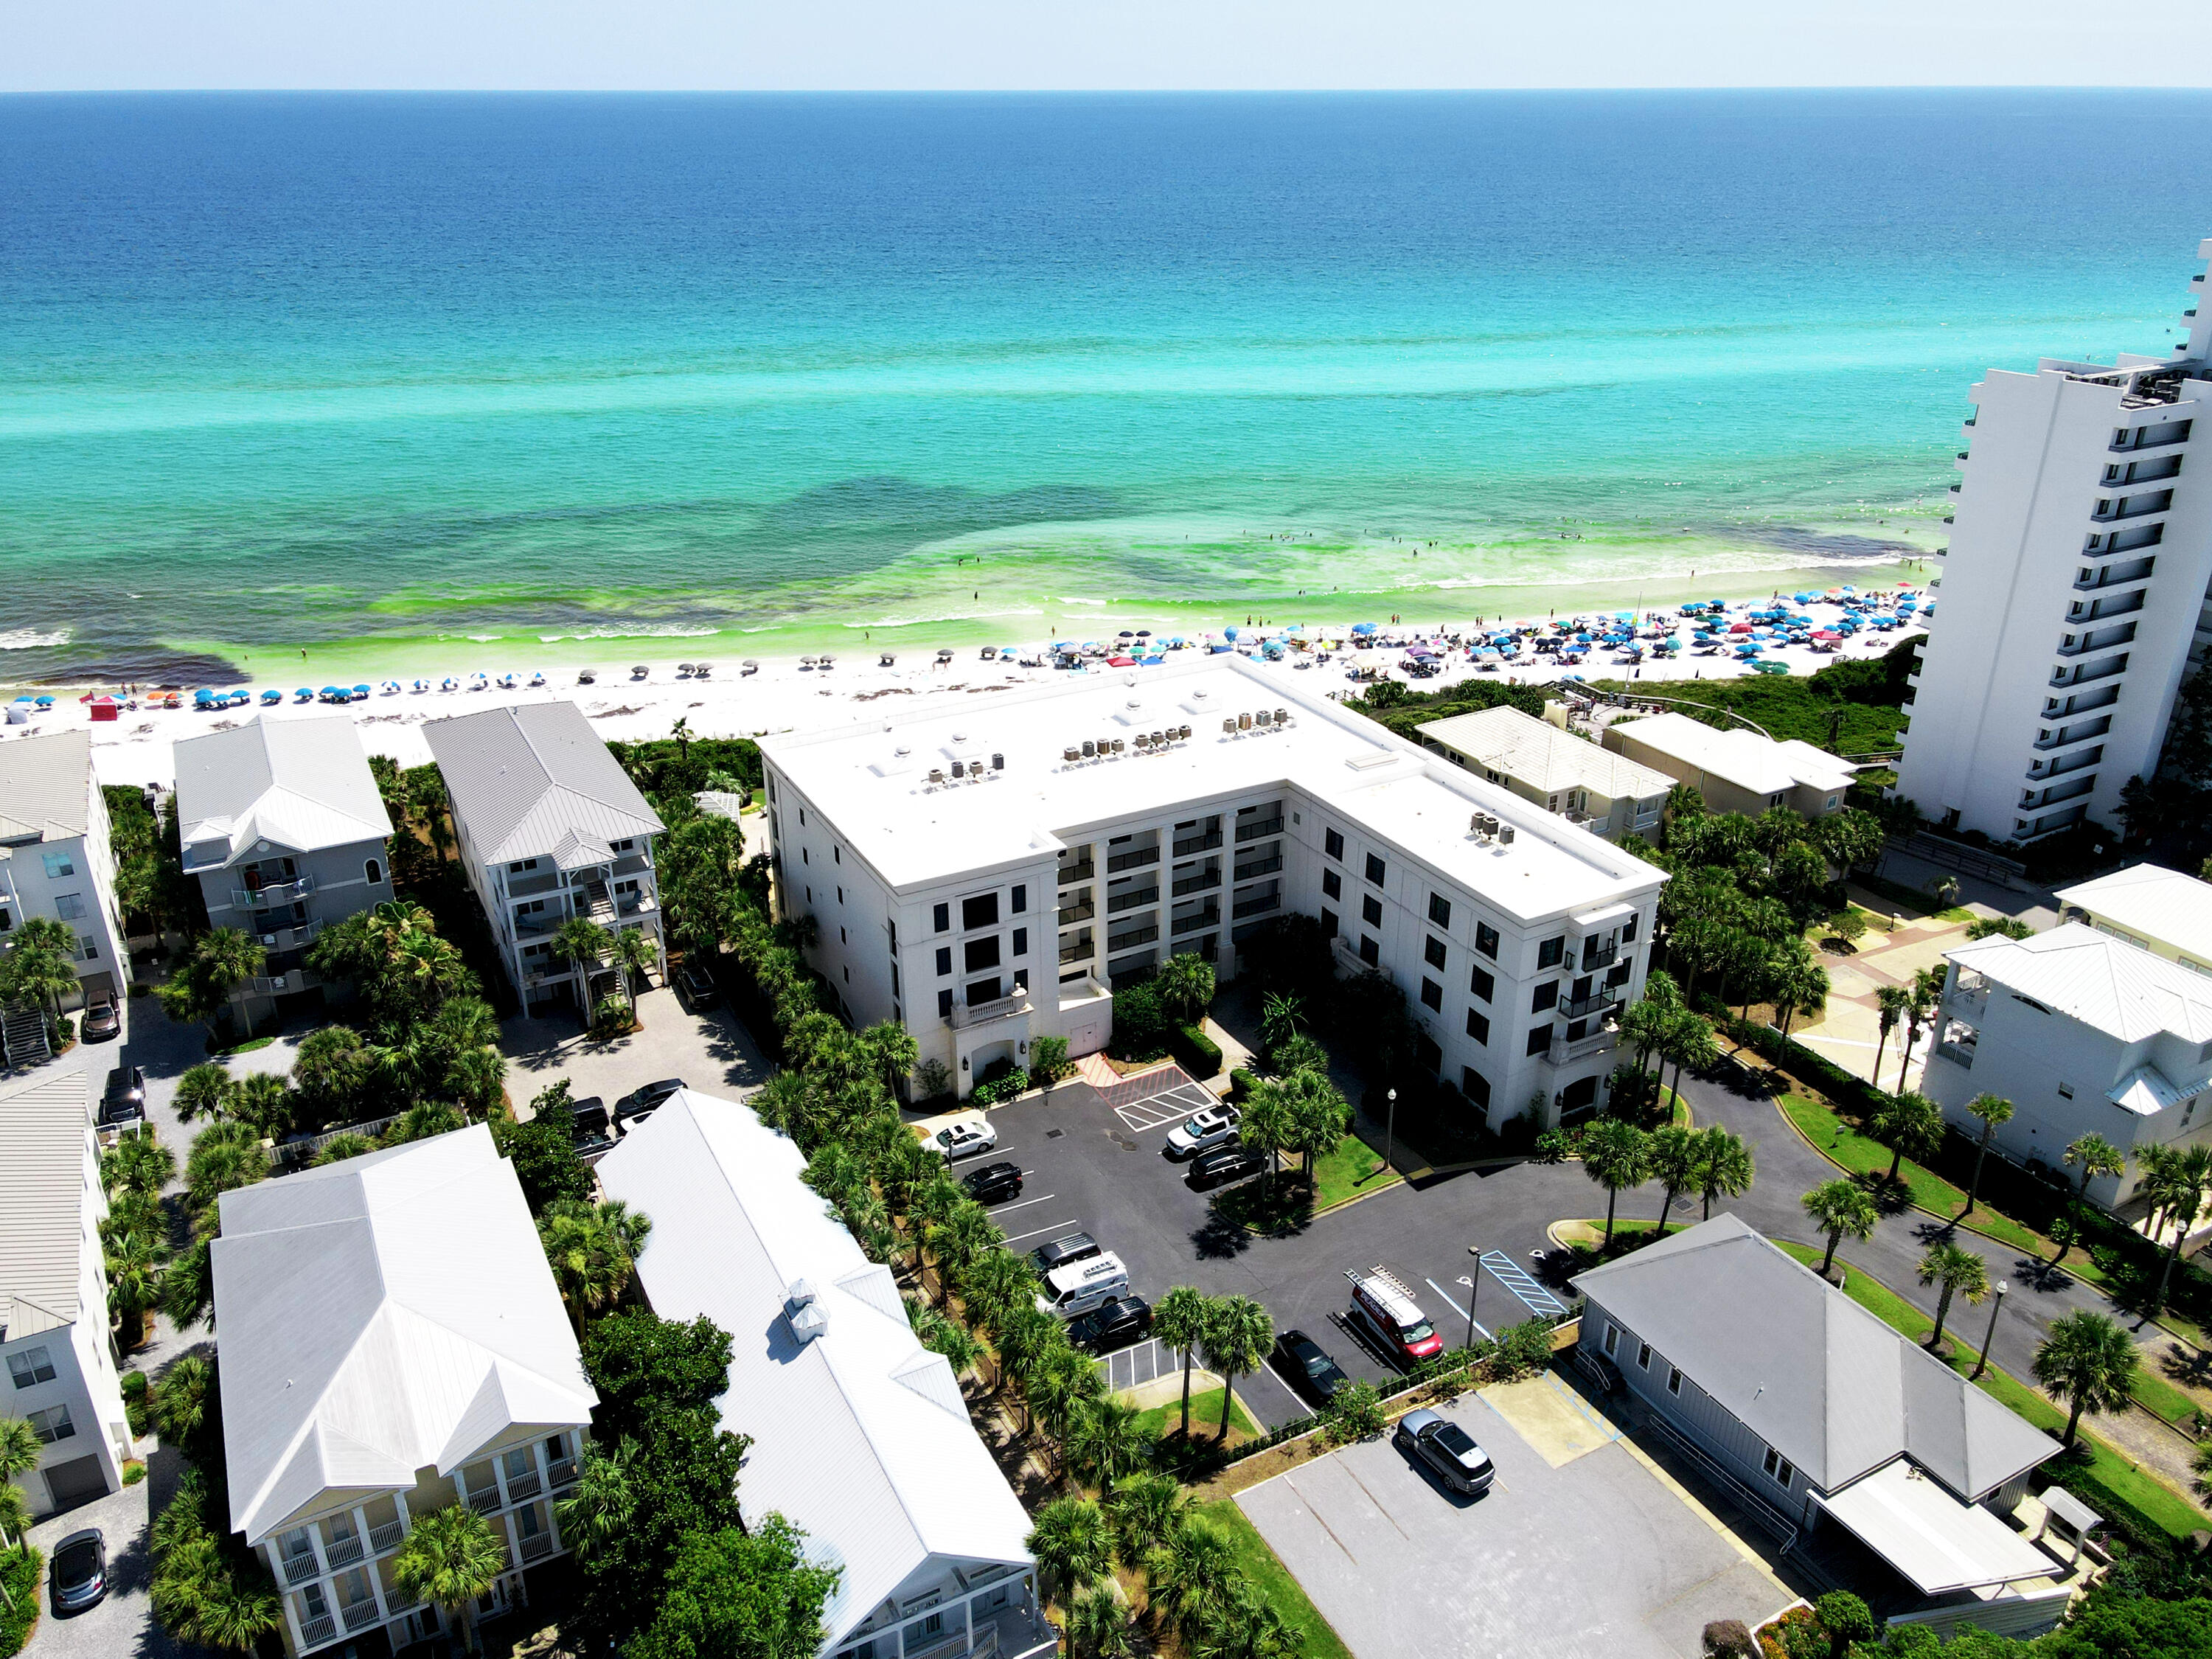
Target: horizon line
[[2132, 87]]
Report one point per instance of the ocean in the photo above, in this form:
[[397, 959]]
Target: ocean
[[337, 384]]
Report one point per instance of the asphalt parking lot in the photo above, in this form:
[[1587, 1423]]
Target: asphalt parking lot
[[1089, 1167], [1404, 1570]]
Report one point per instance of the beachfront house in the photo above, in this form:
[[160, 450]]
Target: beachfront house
[[56, 863], [2085, 1033], [2161, 911], [860, 1436], [988, 875], [551, 828], [1606, 793], [1816, 1416], [54, 1325], [392, 1343], [1737, 770], [286, 833]]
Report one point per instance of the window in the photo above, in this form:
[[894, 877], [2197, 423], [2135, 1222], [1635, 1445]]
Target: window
[[1021, 898], [940, 918], [70, 907], [1643, 1356], [1778, 1468], [58, 864], [53, 1424], [1370, 911], [802, 815], [806, 857], [1332, 844], [1375, 869], [980, 911], [1611, 1340], [809, 891], [1328, 924], [1478, 1027], [1369, 952], [893, 926], [1332, 883], [1482, 983], [1021, 941], [840, 937], [1433, 951], [31, 1367], [1540, 1038], [1475, 1085], [841, 892], [944, 960], [979, 954], [895, 984], [374, 871], [2066, 1092], [1440, 909], [1549, 953], [1431, 1056], [1485, 940], [520, 865], [1673, 1379], [1432, 995], [945, 1005], [836, 854], [87, 948], [1545, 996], [983, 991], [1628, 931]]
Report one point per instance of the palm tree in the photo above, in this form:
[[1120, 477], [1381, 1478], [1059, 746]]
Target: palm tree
[[218, 962], [896, 1053], [1614, 1156], [961, 1238], [1144, 1511], [263, 1102], [141, 1165], [1921, 998], [1907, 1121], [1179, 1321], [1687, 1040], [600, 1508], [133, 1257], [1105, 1441], [634, 955], [1071, 1541], [1188, 1575], [1798, 984], [1670, 1156], [950, 1341], [1056, 1385], [1267, 1125], [1724, 1167], [1237, 1336], [582, 944], [477, 1078], [2097, 1157], [1319, 1114], [2087, 1361], [424, 1119], [1186, 982], [1960, 1272], [1993, 1110], [2178, 1188], [224, 1157], [19, 1447], [1838, 1207], [590, 1261], [1098, 1624], [1894, 1002], [451, 1557], [202, 1091], [188, 1287]]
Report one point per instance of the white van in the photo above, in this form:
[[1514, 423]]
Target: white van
[[1082, 1286]]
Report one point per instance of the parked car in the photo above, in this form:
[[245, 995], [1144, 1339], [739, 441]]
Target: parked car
[[969, 1134], [1448, 1450], [1210, 1127], [1080, 1287], [1071, 1247], [694, 983], [1300, 1359], [1114, 1325], [588, 1127], [1223, 1165], [640, 1104], [80, 1571], [103, 1017], [1394, 1319], [994, 1183], [124, 1100]]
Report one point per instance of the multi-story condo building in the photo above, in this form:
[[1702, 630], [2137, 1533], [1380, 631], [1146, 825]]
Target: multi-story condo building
[[551, 828], [986, 875], [860, 1436], [2074, 592], [2163, 911], [2085, 1033], [393, 1344], [1608, 794], [53, 1295], [55, 859], [1737, 770], [284, 828]]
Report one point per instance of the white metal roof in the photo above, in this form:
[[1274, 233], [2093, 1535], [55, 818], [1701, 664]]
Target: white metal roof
[[2100, 980], [1928, 1534], [860, 1437], [1542, 755], [303, 785], [534, 781], [1815, 1376], [46, 786], [381, 1316], [2158, 904], [43, 1193], [1752, 762]]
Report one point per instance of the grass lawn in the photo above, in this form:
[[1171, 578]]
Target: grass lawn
[[2152, 1498], [1353, 1170], [1257, 1564], [1204, 1416]]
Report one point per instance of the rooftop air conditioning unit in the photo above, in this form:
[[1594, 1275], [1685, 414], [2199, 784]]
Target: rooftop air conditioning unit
[[1090, 749], [998, 761], [1262, 718], [959, 770], [1228, 723], [1282, 717], [1505, 834], [1070, 754], [937, 774], [1243, 722]]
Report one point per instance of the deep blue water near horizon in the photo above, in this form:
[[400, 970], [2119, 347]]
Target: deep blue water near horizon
[[367, 372]]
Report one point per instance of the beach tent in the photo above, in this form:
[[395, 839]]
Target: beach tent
[[105, 709], [1121, 662]]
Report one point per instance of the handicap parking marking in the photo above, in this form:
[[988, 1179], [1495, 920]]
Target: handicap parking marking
[[1056, 1227], [1456, 1308], [1157, 1111]]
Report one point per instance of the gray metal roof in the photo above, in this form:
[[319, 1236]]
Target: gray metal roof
[[43, 1193], [380, 1316], [535, 781], [303, 785], [1815, 1376], [45, 786]]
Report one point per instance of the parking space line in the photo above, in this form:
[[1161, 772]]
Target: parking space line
[[1460, 1311], [1297, 1398], [1054, 1228], [1007, 1209]]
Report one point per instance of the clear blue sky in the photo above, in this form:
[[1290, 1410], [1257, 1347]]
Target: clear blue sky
[[56, 45]]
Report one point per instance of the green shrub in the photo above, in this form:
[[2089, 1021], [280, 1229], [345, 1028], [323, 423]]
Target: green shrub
[[1241, 1085], [1048, 1061], [1523, 1350], [1142, 1027], [19, 1608], [132, 1384], [134, 1471], [1354, 1412], [611, 1018], [998, 1090], [1195, 1052]]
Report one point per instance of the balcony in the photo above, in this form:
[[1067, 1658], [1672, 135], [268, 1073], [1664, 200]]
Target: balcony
[[383, 1539], [536, 1546], [1069, 874], [1199, 882], [297, 937], [359, 1615], [2045, 769], [277, 985], [2084, 673], [485, 1501], [965, 1015], [2157, 437], [1208, 917], [316, 1631], [299, 1569], [562, 1472], [2112, 575], [1601, 956], [1565, 1050], [1117, 903], [343, 1553], [2133, 507], [1256, 907], [520, 1488], [1081, 951], [2099, 639], [1187, 845], [1259, 827], [269, 893], [1266, 867], [2081, 733], [1135, 860], [1595, 1002], [1131, 938], [1070, 915]]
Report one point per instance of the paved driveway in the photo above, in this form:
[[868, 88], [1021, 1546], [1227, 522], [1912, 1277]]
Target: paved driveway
[[122, 1626], [1579, 1547], [710, 1050]]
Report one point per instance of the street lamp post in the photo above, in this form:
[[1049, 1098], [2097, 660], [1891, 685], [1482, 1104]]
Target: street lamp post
[[1996, 1306], [1390, 1136], [1474, 1283]]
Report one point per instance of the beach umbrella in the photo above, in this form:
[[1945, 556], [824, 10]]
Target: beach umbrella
[[1362, 630], [48, 702], [1229, 633], [1125, 634]]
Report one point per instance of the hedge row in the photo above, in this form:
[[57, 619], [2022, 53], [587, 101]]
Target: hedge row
[[19, 1608], [1195, 1052]]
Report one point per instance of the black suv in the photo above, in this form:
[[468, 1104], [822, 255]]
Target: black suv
[[588, 1127], [125, 1102], [1111, 1325], [1299, 1358], [993, 1183], [694, 983], [1223, 1164], [1075, 1247], [641, 1104]]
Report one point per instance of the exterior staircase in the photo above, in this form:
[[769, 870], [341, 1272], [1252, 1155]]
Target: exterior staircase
[[600, 903], [23, 1035]]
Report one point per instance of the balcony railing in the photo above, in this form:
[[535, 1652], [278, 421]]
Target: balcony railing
[[1595, 1002], [1117, 903], [299, 1569], [1564, 1050], [278, 985], [1074, 913], [1256, 907], [1197, 884], [1266, 867], [1206, 918], [1601, 956], [1260, 827], [385, 1538], [2084, 672], [343, 1553], [537, 1546], [485, 1501], [524, 1486], [1129, 939], [269, 893], [965, 1014], [1187, 845], [359, 1615], [1133, 860], [561, 1471], [1082, 951], [1074, 872], [316, 1631], [2102, 639]]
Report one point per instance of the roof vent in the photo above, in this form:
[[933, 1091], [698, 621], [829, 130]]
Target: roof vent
[[797, 1295], [959, 737], [810, 1321]]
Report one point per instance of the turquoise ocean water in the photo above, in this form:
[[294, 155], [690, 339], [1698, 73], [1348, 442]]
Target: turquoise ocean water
[[422, 383]]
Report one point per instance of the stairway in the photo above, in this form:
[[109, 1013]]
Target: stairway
[[598, 902], [23, 1035]]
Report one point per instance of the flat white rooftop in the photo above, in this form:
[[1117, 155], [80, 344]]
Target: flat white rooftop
[[1543, 757], [2149, 899], [874, 785], [1759, 765]]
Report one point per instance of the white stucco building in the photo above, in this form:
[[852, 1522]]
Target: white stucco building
[[1737, 770], [2074, 592], [2163, 911], [2085, 1033], [56, 862], [985, 874], [1606, 793]]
